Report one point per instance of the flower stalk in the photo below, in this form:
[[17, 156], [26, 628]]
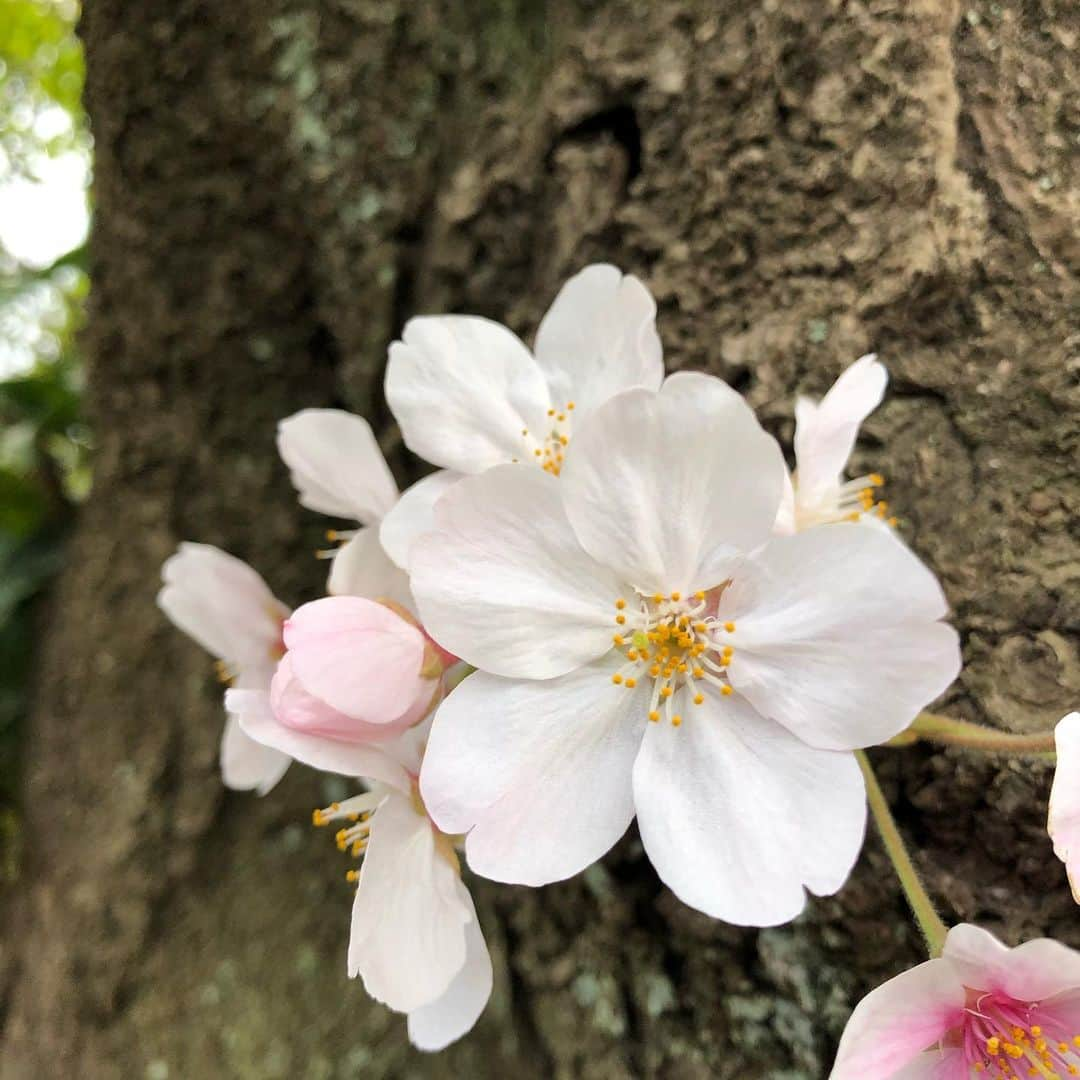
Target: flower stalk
[[933, 929], [932, 727]]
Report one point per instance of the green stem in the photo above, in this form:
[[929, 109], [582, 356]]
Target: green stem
[[942, 729], [933, 929]]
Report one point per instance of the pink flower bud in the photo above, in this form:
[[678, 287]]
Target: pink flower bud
[[355, 670]]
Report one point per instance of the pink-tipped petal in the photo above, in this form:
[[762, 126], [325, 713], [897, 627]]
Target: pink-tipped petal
[[892, 1026]]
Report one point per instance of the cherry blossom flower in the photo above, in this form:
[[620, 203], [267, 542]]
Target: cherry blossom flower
[[338, 469], [228, 609], [646, 645], [1063, 822], [979, 1010], [355, 670], [415, 939], [469, 395], [825, 434]]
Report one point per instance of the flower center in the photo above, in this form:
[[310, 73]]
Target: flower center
[[680, 644], [847, 502], [1004, 1038], [548, 449]]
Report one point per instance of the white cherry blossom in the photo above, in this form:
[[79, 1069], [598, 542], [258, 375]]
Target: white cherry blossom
[[646, 646], [230, 611], [825, 433], [469, 395], [415, 939]]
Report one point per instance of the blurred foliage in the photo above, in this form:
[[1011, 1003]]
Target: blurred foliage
[[43, 445]]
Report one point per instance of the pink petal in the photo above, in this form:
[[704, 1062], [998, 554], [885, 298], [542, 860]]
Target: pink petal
[[298, 710], [895, 1023], [358, 657]]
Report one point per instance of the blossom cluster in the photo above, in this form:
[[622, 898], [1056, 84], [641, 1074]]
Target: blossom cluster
[[611, 601]]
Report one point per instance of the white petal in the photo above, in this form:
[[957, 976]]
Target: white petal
[[1033, 971], [414, 515], [434, 1027], [538, 771], [737, 815], [361, 567], [598, 338], [836, 635], [410, 913], [654, 482], [785, 516], [1063, 820], [503, 583], [336, 464], [223, 604], [892, 1026], [247, 765], [252, 709], [825, 433], [463, 389]]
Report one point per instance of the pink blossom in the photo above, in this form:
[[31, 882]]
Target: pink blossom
[[979, 1010]]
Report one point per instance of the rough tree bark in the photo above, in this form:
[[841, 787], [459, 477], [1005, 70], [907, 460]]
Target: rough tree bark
[[279, 184]]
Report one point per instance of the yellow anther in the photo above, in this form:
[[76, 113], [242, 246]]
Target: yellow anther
[[876, 479], [654, 716], [616, 678], [699, 698], [725, 660], [1076, 1040], [993, 1045], [524, 431], [551, 412], [331, 535], [666, 692], [318, 819], [676, 596], [631, 654], [853, 516], [700, 627], [537, 453], [892, 522], [619, 640], [1063, 1047], [658, 598], [676, 720], [354, 817], [631, 683], [620, 604], [699, 595], [654, 670], [726, 691], [681, 669], [352, 875], [357, 848], [561, 417], [335, 806], [729, 626], [728, 651], [699, 673], [620, 619]]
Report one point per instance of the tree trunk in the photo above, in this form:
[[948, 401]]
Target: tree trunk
[[279, 185]]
